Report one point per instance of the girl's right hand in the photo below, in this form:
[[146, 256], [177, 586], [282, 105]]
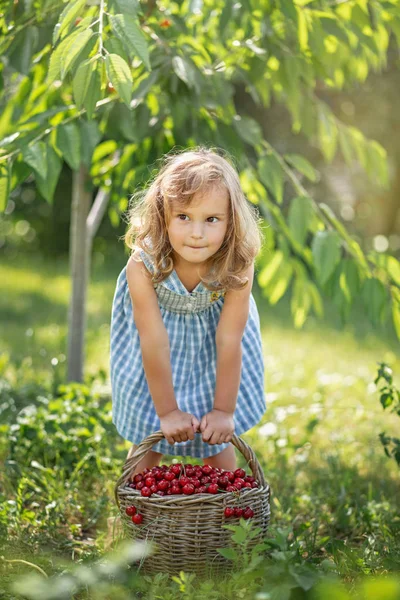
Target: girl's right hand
[[179, 426]]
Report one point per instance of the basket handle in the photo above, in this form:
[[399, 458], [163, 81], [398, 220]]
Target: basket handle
[[148, 442]]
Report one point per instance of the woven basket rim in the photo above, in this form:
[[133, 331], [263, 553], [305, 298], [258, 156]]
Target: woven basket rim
[[147, 443]]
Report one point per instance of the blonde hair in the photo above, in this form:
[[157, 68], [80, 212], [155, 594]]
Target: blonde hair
[[182, 175]]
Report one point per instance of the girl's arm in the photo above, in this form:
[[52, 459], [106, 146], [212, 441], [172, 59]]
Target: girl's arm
[[233, 319], [218, 425], [154, 341], [176, 425]]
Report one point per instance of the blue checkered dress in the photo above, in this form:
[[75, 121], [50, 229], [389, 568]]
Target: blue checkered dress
[[191, 319]]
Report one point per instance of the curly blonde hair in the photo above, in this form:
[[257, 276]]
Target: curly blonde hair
[[183, 174]]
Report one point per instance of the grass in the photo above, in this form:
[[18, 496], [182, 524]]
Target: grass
[[318, 440]]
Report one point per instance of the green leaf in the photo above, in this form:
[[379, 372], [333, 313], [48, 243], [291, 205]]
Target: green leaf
[[35, 156], [90, 136], [70, 12], [248, 129], [120, 76], [239, 536], [226, 15], [374, 295], [47, 185], [271, 175], [56, 57], [326, 253], [396, 310], [68, 142], [302, 165], [268, 272], [183, 70], [300, 216], [316, 299], [128, 6], [300, 302], [68, 58], [128, 31], [280, 283], [86, 85], [5, 180], [327, 132], [377, 163], [228, 553], [393, 267], [302, 28]]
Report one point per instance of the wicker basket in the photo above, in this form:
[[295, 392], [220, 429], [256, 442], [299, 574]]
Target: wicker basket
[[187, 530]]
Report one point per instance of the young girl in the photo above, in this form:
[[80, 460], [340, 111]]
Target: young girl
[[186, 354]]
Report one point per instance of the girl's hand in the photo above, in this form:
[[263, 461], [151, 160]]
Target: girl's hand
[[217, 427], [179, 426]]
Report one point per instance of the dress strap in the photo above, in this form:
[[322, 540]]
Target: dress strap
[[147, 262]]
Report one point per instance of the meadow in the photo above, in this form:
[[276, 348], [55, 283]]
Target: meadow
[[335, 494]]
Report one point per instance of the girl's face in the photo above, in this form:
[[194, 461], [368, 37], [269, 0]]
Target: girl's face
[[198, 231]]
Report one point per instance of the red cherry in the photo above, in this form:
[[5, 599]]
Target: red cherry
[[207, 469], [154, 489], [163, 485], [247, 484], [169, 476], [146, 470], [223, 481], [202, 489], [213, 488], [195, 482], [238, 512], [176, 469], [140, 485], [190, 472], [149, 481], [188, 489], [239, 483], [137, 519], [165, 23], [132, 485], [205, 479], [240, 473], [146, 492], [176, 489], [230, 475], [248, 513], [231, 488], [159, 475], [184, 481], [229, 511], [161, 493], [138, 478], [254, 484], [130, 511], [214, 479], [249, 478]]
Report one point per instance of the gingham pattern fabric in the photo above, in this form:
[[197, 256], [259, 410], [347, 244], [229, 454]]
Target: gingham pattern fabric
[[191, 320]]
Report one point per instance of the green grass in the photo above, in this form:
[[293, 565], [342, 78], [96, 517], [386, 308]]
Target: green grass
[[318, 440]]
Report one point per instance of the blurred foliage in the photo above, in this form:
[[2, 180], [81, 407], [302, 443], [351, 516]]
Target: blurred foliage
[[113, 86]]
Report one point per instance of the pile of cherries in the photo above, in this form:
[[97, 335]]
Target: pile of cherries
[[191, 479]]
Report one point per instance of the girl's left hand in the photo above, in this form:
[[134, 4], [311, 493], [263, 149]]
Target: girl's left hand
[[217, 427]]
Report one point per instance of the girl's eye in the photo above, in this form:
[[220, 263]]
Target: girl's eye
[[179, 217], [214, 218]]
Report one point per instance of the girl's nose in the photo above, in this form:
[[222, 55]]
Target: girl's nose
[[198, 230]]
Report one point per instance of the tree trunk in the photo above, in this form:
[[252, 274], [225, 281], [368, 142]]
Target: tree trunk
[[79, 269], [84, 225]]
